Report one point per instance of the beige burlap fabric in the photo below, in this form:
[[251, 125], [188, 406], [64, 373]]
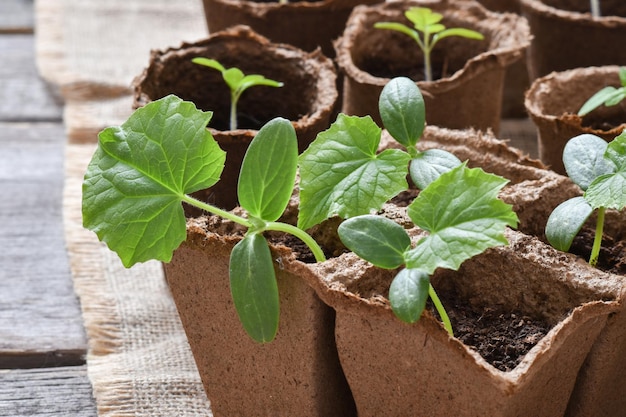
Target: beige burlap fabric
[[139, 360]]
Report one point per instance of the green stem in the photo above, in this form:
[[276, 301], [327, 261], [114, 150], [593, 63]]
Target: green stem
[[217, 211], [440, 309], [595, 8], [428, 72], [597, 240], [234, 98], [300, 234]]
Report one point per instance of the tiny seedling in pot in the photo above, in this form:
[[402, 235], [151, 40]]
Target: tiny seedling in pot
[[599, 169], [428, 31], [142, 172], [609, 96], [237, 82], [342, 174]]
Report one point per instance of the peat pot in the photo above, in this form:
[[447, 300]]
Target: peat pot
[[300, 372], [553, 101], [307, 98], [304, 24], [566, 36], [468, 74]]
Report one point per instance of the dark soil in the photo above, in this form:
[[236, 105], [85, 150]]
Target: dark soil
[[502, 339], [612, 253], [604, 123]]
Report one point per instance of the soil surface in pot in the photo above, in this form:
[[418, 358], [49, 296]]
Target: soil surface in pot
[[501, 338], [612, 252], [605, 123]]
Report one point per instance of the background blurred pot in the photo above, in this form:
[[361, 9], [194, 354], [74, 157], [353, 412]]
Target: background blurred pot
[[308, 97], [305, 24], [553, 102], [468, 92], [565, 36]]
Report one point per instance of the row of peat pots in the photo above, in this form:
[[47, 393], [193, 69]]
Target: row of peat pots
[[538, 332]]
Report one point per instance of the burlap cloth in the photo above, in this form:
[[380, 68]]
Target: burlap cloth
[[139, 361]]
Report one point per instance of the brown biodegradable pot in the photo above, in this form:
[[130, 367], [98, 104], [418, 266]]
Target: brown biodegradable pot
[[553, 102], [307, 98], [396, 369], [565, 35], [468, 92], [304, 24], [299, 372]]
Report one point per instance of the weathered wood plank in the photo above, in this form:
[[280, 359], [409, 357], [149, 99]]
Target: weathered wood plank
[[40, 318], [24, 96], [16, 16], [58, 392]]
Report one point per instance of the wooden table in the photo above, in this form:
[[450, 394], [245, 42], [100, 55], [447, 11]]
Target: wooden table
[[42, 340]]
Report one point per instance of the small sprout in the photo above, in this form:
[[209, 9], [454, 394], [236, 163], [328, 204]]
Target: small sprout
[[599, 169], [237, 83], [142, 172], [609, 96], [428, 24]]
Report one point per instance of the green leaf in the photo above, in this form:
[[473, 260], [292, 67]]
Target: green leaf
[[616, 151], [254, 289], [139, 174], [462, 32], [565, 222], [255, 79], [408, 294], [341, 173], [596, 100], [461, 211], [268, 171], [402, 110], [622, 76], [211, 63], [399, 27], [233, 77], [376, 239], [608, 191], [616, 97], [584, 161], [427, 166], [423, 17]]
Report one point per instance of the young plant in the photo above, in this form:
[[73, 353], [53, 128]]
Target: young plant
[[342, 174], [599, 169], [237, 83], [144, 169], [609, 96], [428, 31], [463, 216]]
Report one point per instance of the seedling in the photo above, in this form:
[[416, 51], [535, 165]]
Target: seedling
[[428, 31], [342, 174], [463, 216], [144, 169], [599, 169], [237, 83], [609, 96]]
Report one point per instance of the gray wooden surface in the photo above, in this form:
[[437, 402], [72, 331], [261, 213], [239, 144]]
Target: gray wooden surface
[[42, 340]]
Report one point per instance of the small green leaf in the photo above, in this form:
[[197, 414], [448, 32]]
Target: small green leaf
[[408, 294], [616, 151], [255, 79], [402, 110], [254, 288], [141, 171], [423, 18], [399, 27], [233, 77], [268, 171], [427, 166], [583, 158], [376, 239], [211, 63], [622, 76], [341, 173], [462, 32], [616, 97], [461, 211], [596, 100], [565, 222], [608, 191]]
